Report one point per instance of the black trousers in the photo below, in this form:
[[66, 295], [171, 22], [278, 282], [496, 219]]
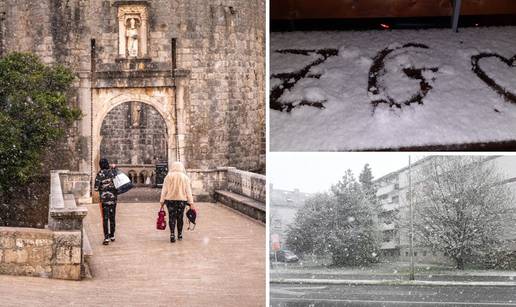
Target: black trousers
[[108, 220], [176, 209]]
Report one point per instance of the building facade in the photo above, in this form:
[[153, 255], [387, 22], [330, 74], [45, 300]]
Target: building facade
[[157, 80], [393, 194], [284, 205]]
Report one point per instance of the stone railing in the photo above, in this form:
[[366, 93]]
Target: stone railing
[[244, 192], [246, 183], [139, 173], [63, 213], [76, 183], [55, 252], [206, 182]]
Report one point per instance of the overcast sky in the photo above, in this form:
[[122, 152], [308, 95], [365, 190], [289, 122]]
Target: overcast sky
[[316, 172]]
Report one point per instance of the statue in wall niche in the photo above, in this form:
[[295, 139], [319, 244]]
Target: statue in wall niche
[[136, 111], [132, 38]]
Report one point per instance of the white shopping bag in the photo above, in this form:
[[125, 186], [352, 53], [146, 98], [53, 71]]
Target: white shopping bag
[[122, 182]]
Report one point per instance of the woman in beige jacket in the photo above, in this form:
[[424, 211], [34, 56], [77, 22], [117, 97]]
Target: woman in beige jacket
[[176, 194]]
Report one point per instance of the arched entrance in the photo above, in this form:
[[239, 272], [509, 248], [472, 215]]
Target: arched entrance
[[134, 136], [160, 101]]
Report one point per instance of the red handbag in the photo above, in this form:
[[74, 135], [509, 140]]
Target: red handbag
[[161, 224]]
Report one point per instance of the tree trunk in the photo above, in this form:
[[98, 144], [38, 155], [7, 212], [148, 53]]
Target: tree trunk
[[460, 263]]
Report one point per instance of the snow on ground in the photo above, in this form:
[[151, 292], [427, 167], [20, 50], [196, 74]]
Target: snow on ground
[[457, 106], [389, 271]]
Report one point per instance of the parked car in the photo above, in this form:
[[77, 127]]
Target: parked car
[[284, 256]]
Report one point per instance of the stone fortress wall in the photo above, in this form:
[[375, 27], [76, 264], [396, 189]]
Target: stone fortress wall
[[202, 69], [127, 140]]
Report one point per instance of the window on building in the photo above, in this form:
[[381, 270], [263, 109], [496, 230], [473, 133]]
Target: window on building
[[424, 254], [387, 236]]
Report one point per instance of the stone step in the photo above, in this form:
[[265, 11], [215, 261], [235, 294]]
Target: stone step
[[243, 204]]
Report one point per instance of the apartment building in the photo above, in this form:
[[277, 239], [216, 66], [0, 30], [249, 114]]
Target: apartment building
[[284, 205]]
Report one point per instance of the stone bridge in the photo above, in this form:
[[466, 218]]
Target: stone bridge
[[221, 262]]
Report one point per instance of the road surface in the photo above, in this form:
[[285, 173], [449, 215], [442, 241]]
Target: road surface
[[292, 295]]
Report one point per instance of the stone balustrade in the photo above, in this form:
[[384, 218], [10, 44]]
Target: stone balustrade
[[63, 211], [248, 184], [139, 173], [76, 183], [55, 252], [206, 182]]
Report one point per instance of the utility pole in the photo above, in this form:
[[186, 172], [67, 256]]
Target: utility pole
[[411, 277]]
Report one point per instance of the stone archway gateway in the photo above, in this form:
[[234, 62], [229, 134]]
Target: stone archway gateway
[[157, 106], [134, 136]]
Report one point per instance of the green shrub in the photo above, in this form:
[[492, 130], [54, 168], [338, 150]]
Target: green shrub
[[34, 112]]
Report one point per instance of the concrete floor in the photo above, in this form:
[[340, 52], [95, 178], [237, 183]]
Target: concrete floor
[[221, 263]]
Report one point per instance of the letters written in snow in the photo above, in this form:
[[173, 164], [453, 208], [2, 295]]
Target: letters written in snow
[[384, 74], [288, 80], [403, 71]]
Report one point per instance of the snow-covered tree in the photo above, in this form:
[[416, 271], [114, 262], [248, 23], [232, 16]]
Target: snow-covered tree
[[353, 235], [306, 232], [461, 206], [339, 223], [366, 178]]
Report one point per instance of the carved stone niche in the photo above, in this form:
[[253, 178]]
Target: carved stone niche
[[133, 17]]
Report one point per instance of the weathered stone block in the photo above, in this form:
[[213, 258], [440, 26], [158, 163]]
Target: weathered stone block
[[76, 255], [43, 242], [40, 255], [42, 270], [24, 270], [67, 271], [16, 256], [14, 269], [10, 256], [63, 255], [20, 243], [67, 238], [6, 241]]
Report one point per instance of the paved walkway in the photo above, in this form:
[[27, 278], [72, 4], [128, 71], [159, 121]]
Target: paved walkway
[[221, 263]]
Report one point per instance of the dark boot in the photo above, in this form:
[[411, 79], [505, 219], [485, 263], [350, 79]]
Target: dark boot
[[172, 239]]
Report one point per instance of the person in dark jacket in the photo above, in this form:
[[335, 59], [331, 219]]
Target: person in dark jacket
[[108, 195]]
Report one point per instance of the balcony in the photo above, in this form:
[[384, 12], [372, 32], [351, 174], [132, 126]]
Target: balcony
[[386, 189], [386, 227], [389, 206], [388, 245]]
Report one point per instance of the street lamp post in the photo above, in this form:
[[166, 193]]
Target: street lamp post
[[411, 277]]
